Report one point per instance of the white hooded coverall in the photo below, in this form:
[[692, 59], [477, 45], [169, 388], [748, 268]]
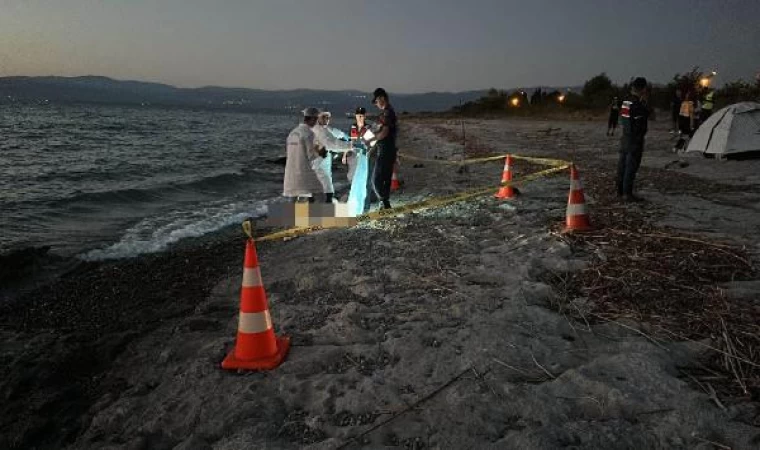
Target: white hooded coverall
[[324, 137], [300, 178]]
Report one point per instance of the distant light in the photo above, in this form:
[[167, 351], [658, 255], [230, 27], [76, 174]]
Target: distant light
[[704, 82], [561, 98], [515, 101]]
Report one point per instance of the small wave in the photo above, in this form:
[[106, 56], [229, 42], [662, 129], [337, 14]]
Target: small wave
[[113, 126], [156, 234], [111, 197], [229, 180], [219, 183]]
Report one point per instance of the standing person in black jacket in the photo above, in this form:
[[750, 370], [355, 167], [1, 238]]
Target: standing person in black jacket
[[675, 109], [635, 117], [612, 122], [386, 147]]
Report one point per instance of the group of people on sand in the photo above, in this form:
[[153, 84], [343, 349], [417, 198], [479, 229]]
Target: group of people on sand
[[369, 151], [690, 107]]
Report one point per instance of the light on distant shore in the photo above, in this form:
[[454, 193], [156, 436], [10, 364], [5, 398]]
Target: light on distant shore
[[515, 101], [561, 98], [705, 81]]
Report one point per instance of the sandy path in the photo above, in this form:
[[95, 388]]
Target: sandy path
[[447, 303]]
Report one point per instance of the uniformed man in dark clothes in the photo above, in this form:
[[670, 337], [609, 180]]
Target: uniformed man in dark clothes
[[707, 104], [612, 122], [385, 143], [634, 116], [675, 109]]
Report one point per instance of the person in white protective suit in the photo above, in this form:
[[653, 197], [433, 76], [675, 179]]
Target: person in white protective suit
[[332, 140], [300, 178]]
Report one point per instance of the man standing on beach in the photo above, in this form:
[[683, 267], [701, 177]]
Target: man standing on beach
[[300, 179], [612, 122], [385, 140], [635, 117], [708, 104], [675, 109]]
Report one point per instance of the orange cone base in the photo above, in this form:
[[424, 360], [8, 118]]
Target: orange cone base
[[577, 224], [505, 193], [272, 362]]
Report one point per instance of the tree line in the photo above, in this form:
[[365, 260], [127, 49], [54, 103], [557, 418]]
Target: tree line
[[598, 92]]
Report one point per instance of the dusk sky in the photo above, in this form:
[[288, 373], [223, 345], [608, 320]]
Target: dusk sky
[[402, 45]]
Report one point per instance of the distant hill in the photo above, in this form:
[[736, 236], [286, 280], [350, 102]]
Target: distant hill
[[103, 90]]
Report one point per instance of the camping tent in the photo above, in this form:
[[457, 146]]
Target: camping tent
[[733, 129]]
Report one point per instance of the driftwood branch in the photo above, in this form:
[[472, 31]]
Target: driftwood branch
[[408, 408]]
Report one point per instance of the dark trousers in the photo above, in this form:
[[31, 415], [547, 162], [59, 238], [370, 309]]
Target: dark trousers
[[628, 164], [383, 173], [370, 197], [684, 125], [613, 121]]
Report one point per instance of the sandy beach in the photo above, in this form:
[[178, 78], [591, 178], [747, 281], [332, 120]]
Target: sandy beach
[[475, 325]]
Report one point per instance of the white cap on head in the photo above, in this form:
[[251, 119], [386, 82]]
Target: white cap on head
[[311, 112]]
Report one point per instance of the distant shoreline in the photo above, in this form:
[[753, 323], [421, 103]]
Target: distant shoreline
[[205, 108], [104, 90]]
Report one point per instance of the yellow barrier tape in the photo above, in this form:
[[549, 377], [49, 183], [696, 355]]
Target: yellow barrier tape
[[424, 204], [544, 161], [248, 228], [443, 201], [453, 163]]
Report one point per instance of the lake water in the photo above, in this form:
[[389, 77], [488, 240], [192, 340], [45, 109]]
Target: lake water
[[110, 182]]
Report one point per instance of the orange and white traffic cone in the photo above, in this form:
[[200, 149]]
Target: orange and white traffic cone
[[577, 216], [506, 192], [395, 184], [257, 348]]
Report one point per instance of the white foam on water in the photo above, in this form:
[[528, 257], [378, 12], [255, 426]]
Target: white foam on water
[[155, 234]]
